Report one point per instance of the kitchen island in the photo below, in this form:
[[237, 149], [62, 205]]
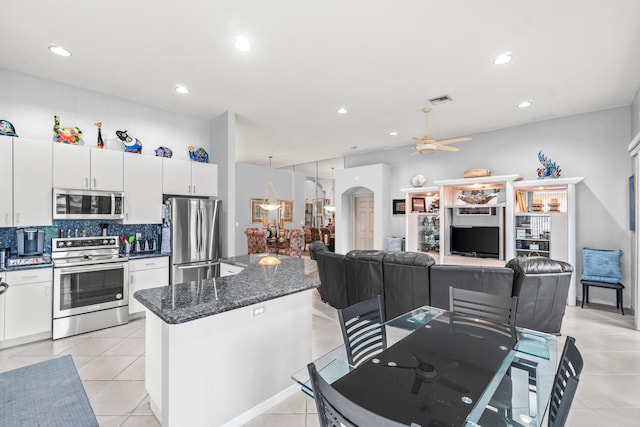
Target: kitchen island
[[220, 351]]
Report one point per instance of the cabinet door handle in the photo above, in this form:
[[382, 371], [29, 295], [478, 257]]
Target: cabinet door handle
[[86, 182], [131, 279], [194, 189], [47, 290], [34, 276], [94, 184], [189, 189], [126, 216]]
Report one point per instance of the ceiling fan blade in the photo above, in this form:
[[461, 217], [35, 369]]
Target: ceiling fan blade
[[453, 140], [447, 148], [415, 152]]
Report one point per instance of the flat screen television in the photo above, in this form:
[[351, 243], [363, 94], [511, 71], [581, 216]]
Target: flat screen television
[[481, 242]]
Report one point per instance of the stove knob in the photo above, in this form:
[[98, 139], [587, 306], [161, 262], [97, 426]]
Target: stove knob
[[60, 244], [68, 243], [105, 241]]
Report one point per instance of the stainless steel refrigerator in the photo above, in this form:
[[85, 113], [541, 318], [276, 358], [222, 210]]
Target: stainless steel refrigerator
[[195, 238]]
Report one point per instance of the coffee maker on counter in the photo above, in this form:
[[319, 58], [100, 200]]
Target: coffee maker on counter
[[30, 242]]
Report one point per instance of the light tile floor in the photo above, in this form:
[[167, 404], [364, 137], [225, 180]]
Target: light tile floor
[[111, 365]]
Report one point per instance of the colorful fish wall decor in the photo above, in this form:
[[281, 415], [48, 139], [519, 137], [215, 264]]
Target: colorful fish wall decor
[[131, 144], [199, 155], [70, 135]]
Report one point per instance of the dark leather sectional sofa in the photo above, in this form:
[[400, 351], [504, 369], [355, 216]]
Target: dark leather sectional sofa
[[408, 280]]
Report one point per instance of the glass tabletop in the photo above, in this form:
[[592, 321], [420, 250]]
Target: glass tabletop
[[445, 369]]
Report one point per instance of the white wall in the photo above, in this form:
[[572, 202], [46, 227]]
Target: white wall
[[30, 103], [351, 181], [251, 182], [592, 145]]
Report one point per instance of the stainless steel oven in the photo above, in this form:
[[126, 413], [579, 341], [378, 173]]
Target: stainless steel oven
[[90, 285]]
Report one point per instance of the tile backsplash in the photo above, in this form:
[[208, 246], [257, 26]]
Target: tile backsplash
[[92, 228]]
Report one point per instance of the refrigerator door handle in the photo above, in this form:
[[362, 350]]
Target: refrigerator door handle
[[200, 265]]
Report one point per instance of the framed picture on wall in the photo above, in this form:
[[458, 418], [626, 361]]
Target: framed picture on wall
[[399, 206], [417, 205], [256, 211], [286, 210]]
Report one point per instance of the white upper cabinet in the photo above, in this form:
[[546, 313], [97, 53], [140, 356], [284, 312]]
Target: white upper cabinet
[[32, 203], [84, 168], [143, 189], [176, 176], [6, 178], [189, 178], [106, 169], [204, 179]]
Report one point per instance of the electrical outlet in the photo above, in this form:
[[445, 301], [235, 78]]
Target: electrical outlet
[[257, 311]]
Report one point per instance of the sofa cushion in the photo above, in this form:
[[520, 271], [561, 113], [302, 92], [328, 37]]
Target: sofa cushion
[[492, 280], [333, 285], [364, 274], [601, 265], [406, 282]]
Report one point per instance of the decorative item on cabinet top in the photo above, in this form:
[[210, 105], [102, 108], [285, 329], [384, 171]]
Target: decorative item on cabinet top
[[71, 135], [418, 180], [199, 155], [7, 129], [550, 169], [100, 142], [164, 152], [476, 173], [131, 144]]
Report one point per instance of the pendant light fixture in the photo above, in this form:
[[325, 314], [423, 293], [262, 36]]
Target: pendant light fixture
[[268, 204], [331, 207]]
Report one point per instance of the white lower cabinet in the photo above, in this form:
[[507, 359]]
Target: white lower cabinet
[[146, 273], [27, 303]]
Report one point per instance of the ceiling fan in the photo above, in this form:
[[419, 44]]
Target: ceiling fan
[[427, 145]]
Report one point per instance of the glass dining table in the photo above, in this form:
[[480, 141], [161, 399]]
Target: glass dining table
[[440, 369]]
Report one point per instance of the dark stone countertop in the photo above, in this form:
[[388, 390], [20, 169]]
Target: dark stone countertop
[[184, 302]]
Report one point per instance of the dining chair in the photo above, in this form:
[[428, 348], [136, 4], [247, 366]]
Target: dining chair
[[498, 314], [335, 410], [565, 383], [362, 329], [496, 309]]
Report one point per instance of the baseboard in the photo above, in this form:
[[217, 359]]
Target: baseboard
[[247, 416]]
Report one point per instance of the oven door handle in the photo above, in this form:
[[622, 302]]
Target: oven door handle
[[93, 267], [187, 267]]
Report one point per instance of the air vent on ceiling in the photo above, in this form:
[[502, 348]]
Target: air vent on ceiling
[[441, 99]]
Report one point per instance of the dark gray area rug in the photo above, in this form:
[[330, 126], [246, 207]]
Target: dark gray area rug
[[49, 393]]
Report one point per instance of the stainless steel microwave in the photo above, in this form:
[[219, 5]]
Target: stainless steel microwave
[[85, 204]]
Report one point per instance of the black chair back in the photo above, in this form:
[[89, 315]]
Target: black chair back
[[565, 383], [335, 410], [362, 330], [498, 309]]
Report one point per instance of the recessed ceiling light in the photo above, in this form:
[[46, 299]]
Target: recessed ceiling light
[[525, 104], [59, 50], [503, 59], [181, 89], [393, 133], [242, 44], [354, 147], [342, 110]]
